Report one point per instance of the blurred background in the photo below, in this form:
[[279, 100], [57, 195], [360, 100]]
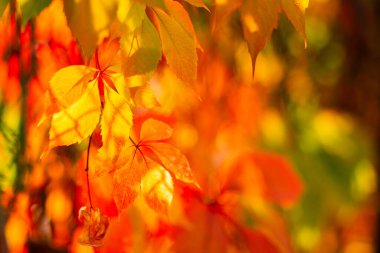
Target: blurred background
[[318, 107]]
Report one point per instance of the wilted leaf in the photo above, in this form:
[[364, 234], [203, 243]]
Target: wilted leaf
[[179, 47], [95, 227]]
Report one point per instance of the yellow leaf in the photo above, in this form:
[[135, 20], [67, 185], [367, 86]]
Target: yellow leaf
[[145, 97], [131, 14], [68, 84], [78, 121], [179, 47], [157, 188], [116, 123], [89, 21]]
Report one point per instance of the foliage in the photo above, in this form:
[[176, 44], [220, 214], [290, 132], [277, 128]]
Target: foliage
[[175, 126]]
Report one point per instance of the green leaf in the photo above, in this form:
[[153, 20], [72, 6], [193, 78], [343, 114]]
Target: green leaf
[[31, 9], [130, 14], [3, 5], [89, 21], [141, 49]]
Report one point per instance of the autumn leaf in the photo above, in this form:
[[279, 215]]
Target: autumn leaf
[[89, 21], [146, 167], [178, 45], [31, 9], [81, 93], [3, 5], [78, 121], [141, 49], [198, 3], [213, 228], [68, 84], [274, 178], [95, 227], [260, 17]]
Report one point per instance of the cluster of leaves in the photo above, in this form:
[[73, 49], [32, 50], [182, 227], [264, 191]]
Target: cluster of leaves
[[126, 47]]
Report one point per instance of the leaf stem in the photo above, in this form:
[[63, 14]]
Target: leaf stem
[[87, 168], [132, 141], [97, 59]]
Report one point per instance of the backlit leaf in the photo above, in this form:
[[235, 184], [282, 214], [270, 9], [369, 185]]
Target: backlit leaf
[[31, 9], [130, 14], [197, 3], [78, 121], [89, 21], [127, 180], [260, 17], [141, 49], [3, 5], [68, 84], [178, 46], [174, 161], [116, 123], [142, 170], [157, 188], [153, 130]]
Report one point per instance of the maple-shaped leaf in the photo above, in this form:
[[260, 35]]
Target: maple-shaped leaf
[[260, 17], [95, 227], [178, 41], [80, 92], [146, 167]]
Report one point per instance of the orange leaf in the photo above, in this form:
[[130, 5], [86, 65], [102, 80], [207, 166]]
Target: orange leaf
[[265, 175], [154, 130], [145, 169], [260, 17]]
